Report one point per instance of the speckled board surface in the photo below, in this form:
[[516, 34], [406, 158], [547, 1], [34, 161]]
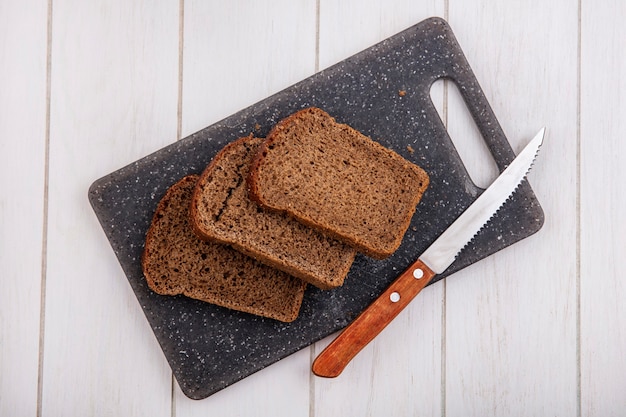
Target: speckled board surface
[[209, 347]]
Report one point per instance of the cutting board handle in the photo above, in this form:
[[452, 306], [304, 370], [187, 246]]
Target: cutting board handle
[[332, 361]]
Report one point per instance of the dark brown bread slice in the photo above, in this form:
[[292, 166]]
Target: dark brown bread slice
[[222, 211], [332, 177], [175, 261]]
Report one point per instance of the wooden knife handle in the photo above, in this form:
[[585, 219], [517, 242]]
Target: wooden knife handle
[[372, 320]]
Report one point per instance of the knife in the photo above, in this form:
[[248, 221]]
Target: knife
[[434, 260]]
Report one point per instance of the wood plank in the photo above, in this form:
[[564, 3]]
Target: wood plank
[[399, 373], [348, 27], [602, 202], [113, 99], [511, 319], [281, 389], [23, 50], [229, 63]]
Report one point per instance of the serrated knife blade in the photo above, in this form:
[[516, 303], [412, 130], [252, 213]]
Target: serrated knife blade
[[434, 260], [442, 252]]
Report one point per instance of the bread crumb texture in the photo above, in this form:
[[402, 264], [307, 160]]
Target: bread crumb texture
[[176, 261], [222, 211], [332, 177]]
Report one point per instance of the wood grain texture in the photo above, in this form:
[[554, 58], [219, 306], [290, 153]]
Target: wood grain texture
[[537, 329], [511, 319], [602, 202], [113, 100], [23, 49], [238, 53], [398, 373], [348, 27], [281, 389], [373, 320], [235, 54]]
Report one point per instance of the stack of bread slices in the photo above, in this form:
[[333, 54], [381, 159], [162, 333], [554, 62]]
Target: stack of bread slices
[[269, 216]]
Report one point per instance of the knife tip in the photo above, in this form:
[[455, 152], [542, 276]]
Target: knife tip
[[542, 133]]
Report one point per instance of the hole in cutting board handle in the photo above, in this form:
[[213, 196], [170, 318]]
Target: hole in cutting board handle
[[469, 143]]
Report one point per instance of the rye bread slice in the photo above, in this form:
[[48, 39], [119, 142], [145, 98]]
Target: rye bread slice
[[175, 261], [332, 177], [222, 211]]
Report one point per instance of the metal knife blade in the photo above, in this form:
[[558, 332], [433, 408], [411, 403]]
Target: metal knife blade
[[434, 260], [442, 252]]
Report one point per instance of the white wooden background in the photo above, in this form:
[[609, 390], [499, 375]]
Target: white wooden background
[[86, 87]]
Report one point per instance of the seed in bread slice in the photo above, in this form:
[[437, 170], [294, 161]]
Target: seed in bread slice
[[222, 211], [332, 177], [175, 261]]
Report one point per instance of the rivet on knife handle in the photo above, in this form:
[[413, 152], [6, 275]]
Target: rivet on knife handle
[[434, 260], [372, 320]]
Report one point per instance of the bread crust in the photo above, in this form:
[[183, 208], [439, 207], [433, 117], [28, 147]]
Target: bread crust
[[363, 245], [175, 261], [197, 192], [324, 264]]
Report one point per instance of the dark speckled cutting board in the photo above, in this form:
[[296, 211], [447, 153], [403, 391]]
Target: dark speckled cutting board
[[210, 347]]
